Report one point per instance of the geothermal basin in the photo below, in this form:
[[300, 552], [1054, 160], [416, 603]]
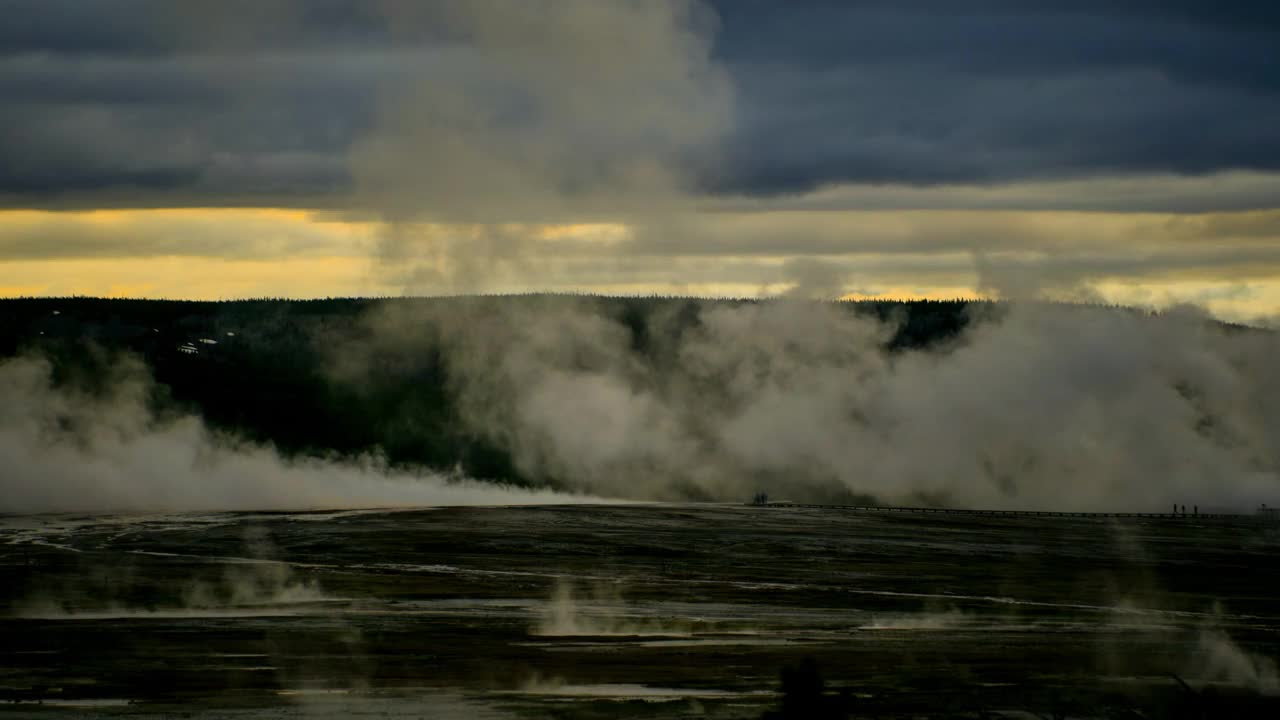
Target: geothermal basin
[[634, 611]]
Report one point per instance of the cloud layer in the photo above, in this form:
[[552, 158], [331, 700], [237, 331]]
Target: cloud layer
[[216, 103], [1067, 149]]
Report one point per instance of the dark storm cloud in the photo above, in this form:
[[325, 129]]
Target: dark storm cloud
[[143, 102], [158, 27], [156, 103], [217, 129], [938, 92]]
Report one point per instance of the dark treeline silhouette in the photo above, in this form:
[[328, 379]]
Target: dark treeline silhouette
[[259, 369]]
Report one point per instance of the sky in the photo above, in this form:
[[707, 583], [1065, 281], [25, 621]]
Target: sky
[[1100, 151]]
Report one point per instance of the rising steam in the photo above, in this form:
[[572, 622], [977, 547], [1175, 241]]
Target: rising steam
[[254, 585], [495, 130], [1048, 407], [63, 449], [600, 613], [1219, 659]]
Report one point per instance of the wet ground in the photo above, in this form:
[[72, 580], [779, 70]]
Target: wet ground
[[635, 611]]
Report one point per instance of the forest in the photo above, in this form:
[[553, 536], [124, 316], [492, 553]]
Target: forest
[[261, 370]]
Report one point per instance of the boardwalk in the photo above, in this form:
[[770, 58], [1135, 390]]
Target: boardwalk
[[1260, 517]]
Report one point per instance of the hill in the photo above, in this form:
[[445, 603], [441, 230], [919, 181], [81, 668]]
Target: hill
[[264, 370]]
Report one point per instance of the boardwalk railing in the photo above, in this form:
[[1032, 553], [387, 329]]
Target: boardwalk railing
[[1020, 513]]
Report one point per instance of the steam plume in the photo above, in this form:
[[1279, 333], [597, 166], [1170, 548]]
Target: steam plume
[[497, 128], [62, 449], [1045, 407]]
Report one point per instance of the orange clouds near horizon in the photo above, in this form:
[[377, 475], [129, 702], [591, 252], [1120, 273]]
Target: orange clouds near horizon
[[1226, 262]]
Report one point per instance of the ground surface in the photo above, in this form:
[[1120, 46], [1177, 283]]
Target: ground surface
[[634, 611]]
